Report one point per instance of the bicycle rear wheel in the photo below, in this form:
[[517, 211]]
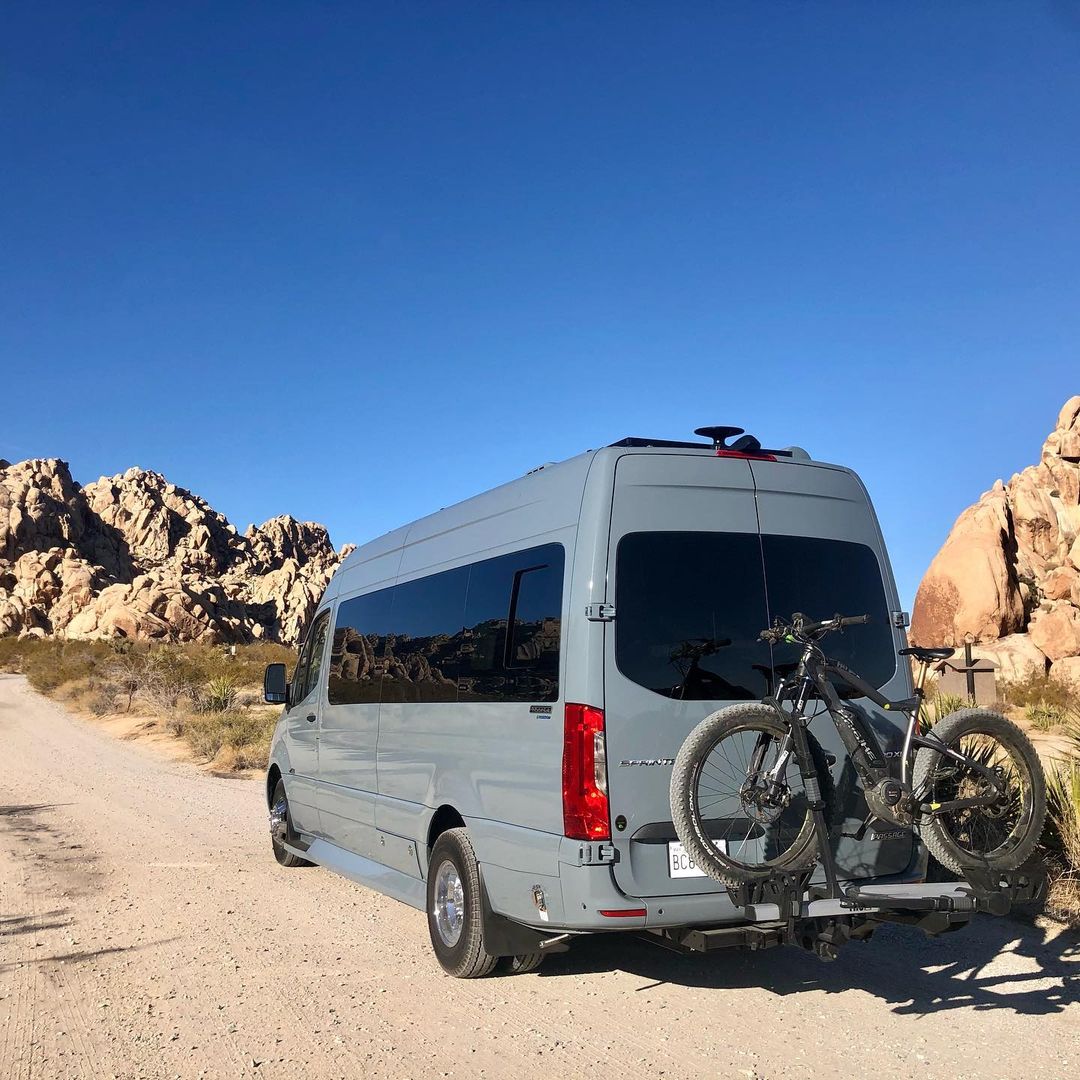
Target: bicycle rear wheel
[[1002, 835], [720, 804]]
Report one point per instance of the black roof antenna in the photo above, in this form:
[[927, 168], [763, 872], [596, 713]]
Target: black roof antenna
[[719, 435]]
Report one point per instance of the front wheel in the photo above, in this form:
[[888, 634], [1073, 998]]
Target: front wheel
[[1003, 834], [738, 801], [281, 830]]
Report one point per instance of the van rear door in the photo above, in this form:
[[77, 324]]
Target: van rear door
[[693, 544]]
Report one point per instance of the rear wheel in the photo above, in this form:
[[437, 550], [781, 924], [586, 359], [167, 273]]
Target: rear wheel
[[455, 909], [734, 823], [1001, 835], [281, 830], [523, 964]]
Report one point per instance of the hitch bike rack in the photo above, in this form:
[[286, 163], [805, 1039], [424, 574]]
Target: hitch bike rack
[[785, 909]]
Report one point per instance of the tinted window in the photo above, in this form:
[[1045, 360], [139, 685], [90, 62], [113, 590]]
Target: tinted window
[[307, 671], [357, 657], [444, 637], [691, 605], [822, 578], [425, 638], [513, 620]]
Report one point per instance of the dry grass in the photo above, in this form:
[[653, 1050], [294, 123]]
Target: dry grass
[[1039, 689], [210, 696]]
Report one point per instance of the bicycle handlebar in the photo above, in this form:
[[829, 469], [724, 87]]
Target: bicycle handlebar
[[800, 629]]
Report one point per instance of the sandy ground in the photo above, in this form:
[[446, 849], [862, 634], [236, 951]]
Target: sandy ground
[[147, 932]]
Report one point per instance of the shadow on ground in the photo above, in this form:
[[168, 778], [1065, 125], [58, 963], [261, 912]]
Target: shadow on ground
[[996, 963]]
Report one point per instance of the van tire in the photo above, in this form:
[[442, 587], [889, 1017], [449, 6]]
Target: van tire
[[750, 716], [280, 802], [459, 940], [522, 964]]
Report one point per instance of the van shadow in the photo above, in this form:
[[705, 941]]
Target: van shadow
[[995, 963]]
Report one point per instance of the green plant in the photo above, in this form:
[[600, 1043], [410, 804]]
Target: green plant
[[943, 704], [220, 696], [1045, 717], [1062, 839]]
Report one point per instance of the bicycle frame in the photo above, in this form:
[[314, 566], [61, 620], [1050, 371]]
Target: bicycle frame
[[812, 679]]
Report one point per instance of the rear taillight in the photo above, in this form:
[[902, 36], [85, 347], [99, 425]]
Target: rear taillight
[[742, 454], [584, 774]]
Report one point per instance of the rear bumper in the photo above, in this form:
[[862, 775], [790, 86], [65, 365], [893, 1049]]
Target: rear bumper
[[555, 892]]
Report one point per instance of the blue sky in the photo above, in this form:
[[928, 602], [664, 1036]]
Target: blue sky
[[356, 262]]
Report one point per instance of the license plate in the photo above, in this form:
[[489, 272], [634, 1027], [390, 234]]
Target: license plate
[[680, 864]]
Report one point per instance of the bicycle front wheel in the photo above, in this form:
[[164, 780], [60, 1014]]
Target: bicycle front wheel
[[734, 823]]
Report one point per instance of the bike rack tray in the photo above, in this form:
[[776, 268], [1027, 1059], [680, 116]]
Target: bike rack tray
[[981, 891]]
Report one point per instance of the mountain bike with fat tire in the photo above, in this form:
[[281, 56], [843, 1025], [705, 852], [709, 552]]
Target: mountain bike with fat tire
[[750, 789]]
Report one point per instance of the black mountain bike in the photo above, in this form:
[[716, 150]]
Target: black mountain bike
[[750, 788]]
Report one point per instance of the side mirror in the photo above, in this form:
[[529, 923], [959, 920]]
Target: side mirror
[[275, 685]]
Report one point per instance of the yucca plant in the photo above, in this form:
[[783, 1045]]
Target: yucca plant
[[1045, 717], [943, 704], [220, 695], [1063, 823]]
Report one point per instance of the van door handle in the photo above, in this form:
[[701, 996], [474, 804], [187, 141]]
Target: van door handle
[[311, 718]]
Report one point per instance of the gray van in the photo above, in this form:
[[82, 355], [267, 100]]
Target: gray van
[[486, 707]]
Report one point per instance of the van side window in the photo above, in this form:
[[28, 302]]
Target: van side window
[[513, 620], [485, 632], [425, 638], [358, 653], [307, 671]]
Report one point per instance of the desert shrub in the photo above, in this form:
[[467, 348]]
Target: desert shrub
[[219, 696], [1062, 837], [234, 739], [12, 653], [1044, 717], [168, 676], [1039, 689], [51, 662]]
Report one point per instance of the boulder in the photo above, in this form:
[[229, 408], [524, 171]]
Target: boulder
[[971, 586], [1067, 671], [1016, 658], [136, 556], [1056, 632], [1011, 564]]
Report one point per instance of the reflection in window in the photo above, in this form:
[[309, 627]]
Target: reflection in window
[[425, 638], [357, 657], [522, 591], [691, 606], [444, 637]]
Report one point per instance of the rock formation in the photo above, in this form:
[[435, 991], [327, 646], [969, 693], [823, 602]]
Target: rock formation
[[135, 556], [1009, 572]]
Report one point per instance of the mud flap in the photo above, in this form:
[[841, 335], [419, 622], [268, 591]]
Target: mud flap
[[505, 937]]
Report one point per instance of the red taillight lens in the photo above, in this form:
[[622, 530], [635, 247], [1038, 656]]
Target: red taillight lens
[[741, 454], [584, 775]]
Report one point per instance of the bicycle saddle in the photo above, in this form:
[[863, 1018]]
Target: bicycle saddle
[[926, 655]]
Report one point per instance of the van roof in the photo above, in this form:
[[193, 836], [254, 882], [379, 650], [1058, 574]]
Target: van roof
[[573, 469]]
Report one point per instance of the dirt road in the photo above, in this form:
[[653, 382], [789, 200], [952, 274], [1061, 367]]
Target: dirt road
[[147, 932]]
